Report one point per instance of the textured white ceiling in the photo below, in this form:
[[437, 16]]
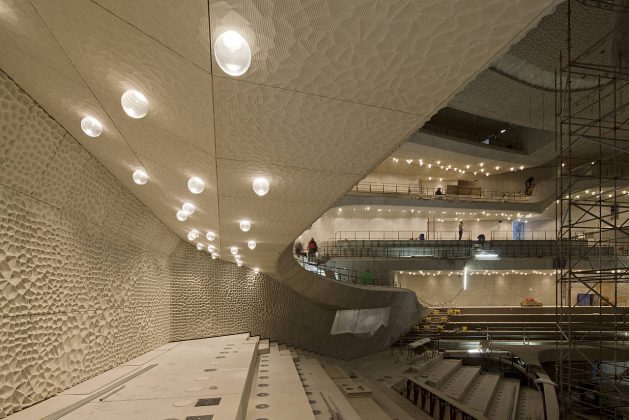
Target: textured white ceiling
[[333, 88]]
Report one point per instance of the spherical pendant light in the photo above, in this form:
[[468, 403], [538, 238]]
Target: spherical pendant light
[[211, 248], [260, 186], [232, 53], [256, 270], [140, 177], [188, 208], [210, 235], [182, 216], [245, 225], [233, 250], [196, 185], [214, 255], [251, 244], [193, 234], [200, 247], [134, 104], [91, 126], [239, 263]]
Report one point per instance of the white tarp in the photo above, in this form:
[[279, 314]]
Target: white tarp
[[360, 321]]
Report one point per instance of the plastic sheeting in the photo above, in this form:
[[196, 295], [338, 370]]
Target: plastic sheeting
[[360, 321]]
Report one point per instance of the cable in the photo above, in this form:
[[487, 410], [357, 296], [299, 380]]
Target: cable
[[439, 304]]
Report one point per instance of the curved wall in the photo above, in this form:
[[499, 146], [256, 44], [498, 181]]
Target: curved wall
[[215, 297], [84, 278], [90, 278]]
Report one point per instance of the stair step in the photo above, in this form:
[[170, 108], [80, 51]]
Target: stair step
[[460, 383], [530, 404], [437, 375], [277, 391], [263, 346], [480, 395], [504, 403]]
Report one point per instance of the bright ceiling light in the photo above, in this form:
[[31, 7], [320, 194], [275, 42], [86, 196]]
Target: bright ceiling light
[[233, 250], [245, 225], [239, 263], [521, 167], [134, 104], [211, 248], [91, 126], [193, 234], [251, 244], [188, 208], [256, 270], [196, 185], [232, 53], [481, 164], [140, 177], [182, 216], [502, 131], [214, 255], [200, 246], [497, 168], [260, 186], [210, 235]]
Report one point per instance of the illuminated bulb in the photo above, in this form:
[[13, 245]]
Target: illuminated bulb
[[232, 53], [211, 248], [260, 186], [245, 225], [182, 216], [210, 236], [214, 255], [512, 169], [256, 270], [251, 244], [196, 185], [193, 234], [481, 164], [134, 104], [200, 247], [497, 168], [521, 167], [140, 177], [233, 250], [91, 126], [188, 208], [239, 263]]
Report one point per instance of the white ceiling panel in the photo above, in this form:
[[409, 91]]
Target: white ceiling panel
[[113, 56], [288, 184], [261, 124], [396, 54], [182, 26]]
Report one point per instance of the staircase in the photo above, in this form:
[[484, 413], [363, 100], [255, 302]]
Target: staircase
[[466, 390]]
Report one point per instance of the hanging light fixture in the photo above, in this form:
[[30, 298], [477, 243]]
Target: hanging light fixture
[[210, 236], [232, 53], [140, 177], [251, 244], [260, 186], [193, 234], [91, 126], [196, 185], [245, 225], [134, 104]]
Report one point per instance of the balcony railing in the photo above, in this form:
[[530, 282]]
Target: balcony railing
[[398, 235], [328, 270], [456, 249], [423, 192]]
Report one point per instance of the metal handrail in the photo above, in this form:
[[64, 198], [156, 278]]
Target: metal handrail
[[421, 191], [399, 235], [342, 274]]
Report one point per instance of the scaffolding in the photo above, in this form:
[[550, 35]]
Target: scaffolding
[[592, 183]]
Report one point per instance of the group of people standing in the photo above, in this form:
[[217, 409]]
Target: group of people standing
[[311, 249]]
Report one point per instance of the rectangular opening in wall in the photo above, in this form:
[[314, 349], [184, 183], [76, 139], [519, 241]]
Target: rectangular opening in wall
[[360, 321]]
